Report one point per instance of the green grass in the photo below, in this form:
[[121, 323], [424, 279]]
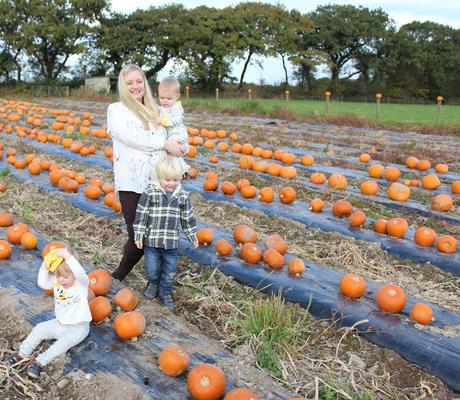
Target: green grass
[[390, 114]]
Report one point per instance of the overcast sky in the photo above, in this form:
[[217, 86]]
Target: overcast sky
[[401, 11]]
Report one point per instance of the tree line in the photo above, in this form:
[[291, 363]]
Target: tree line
[[361, 47]]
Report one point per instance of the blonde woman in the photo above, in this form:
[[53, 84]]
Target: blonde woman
[[138, 143]]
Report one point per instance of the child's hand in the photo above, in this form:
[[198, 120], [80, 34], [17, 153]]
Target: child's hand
[[63, 253], [139, 244], [158, 120]]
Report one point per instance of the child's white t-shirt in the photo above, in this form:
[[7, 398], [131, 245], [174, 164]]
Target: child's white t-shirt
[[70, 305]]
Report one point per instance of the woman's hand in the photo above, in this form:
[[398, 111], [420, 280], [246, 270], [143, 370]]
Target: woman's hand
[[173, 148]]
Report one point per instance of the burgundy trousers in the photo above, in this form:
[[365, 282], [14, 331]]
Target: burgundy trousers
[[131, 254]]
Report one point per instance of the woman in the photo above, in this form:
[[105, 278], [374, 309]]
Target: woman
[[138, 143]]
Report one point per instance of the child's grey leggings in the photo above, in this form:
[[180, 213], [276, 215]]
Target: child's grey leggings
[[67, 337]]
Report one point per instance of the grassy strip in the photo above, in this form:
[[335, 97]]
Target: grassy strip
[[408, 116]]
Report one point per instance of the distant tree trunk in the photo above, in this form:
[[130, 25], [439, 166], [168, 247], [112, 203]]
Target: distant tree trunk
[[240, 86], [286, 82]]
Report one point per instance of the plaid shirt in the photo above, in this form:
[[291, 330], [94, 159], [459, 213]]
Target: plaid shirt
[[159, 218]]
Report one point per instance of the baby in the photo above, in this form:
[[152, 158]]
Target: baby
[[172, 115]]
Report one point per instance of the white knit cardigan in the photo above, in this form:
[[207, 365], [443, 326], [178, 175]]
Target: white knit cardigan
[[135, 149]]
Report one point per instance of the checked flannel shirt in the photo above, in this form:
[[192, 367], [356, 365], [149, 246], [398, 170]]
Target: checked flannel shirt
[[159, 218]]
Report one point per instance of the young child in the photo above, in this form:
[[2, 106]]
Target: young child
[[162, 210], [172, 115], [61, 272]]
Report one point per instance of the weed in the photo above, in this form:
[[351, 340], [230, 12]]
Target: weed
[[26, 213], [4, 171], [96, 257]]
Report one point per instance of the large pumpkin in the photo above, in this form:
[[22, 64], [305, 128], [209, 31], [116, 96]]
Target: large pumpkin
[[244, 234], [100, 281], [126, 299], [15, 232], [173, 361], [398, 192], [129, 325], [206, 382], [338, 181], [100, 308]]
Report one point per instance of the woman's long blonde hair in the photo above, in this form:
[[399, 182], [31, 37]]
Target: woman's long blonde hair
[[147, 111]]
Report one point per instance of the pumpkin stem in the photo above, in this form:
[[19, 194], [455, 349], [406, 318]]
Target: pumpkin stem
[[205, 381]]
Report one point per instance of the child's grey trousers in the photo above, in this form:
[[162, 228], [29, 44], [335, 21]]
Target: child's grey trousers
[[67, 336]]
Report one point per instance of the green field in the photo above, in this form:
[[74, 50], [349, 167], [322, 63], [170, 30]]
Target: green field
[[390, 114]]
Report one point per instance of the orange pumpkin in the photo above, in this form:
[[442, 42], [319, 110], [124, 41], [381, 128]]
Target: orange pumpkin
[[318, 178], [455, 187], [276, 242], [242, 183], [251, 253], [342, 208], [266, 195], [397, 227], [92, 192], [273, 258], [15, 232], [205, 236], [223, 247], [5, 250], [210, 185], [391, 174], [357, 219], [380, 226], [307, 160], [273, 169], [296, 266], [6, 219], [338, 181], [316, 205], [442, 202], [100, 308], [29, 241], [423, 165], [390, 298], [206, 382], [425, 236], [287, 195], [369, 188], [249, 191], [421, 313], [173, 361], [52, 246], [398, 192], [352, 285], [441, 168], [126, 299], [364, 158], [446, 244], [244, 234], [129, 325], [228, 188], [241, 394], [431, 182], [412, 162], [100, 281], [376, 171], [288, 172]]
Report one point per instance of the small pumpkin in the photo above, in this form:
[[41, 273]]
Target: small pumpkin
[[376, 171], [390, 298], [442, 202], [421, 313], [352, 285], [446, 244], [287, 195], [411, 162], [318, 178], [455, 187], [316, 205], [206, 382], [93, 192], [423, 165], [52, 246], [380, 225], [173, 361], [100, 308], [307, 160], [205, 236], [342, 208], [29, 241], [223, 247], [100, 281], [266, 194], [251, 253], [441, 168], [296, 266], [357, 219], [210, 185], [249, 191], [391, 174], [398, 192], [288, 172], [365, 158], [129, 325], [242, 183], [15, 232], [244, 234], [6, 219], [425, 236], [276, 242], [5, 250], [397, 227], [338, 181], [228, 188], [431, 182], [273, 258], [369, 188], [241, 394], [126, 299]]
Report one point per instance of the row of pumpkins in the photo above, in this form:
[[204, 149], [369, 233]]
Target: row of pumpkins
[[390, 298], [68, 181]]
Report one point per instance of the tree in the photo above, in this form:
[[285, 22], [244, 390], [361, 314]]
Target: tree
[[58, 29], [254, 22], [13, 39], [343, 33]]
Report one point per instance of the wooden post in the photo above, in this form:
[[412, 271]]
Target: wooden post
[[286, 95], [217, 93], [250, 94], [439, 99], [187, 92], [378, 97], [328, 95]]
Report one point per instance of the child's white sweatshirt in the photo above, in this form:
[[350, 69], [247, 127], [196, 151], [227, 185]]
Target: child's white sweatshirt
[[70, 305]]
